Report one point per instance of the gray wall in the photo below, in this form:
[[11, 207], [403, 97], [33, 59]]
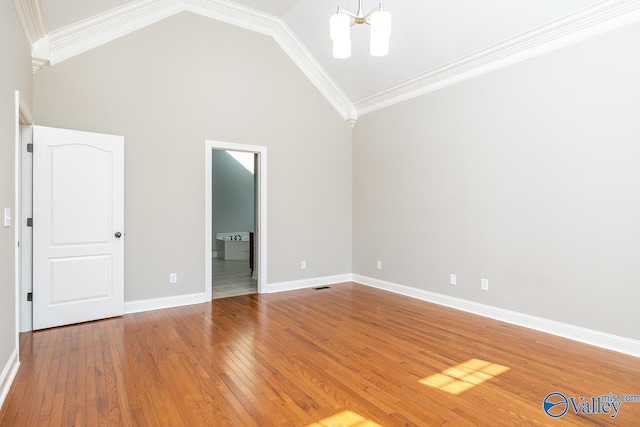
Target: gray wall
[[15, 74], [232, 188], [527, 176], [169, 87]]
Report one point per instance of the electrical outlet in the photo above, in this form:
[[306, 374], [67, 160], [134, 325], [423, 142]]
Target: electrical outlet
[[379, 265], [453, 280], [303, 265], [484, 284], [173, 278]]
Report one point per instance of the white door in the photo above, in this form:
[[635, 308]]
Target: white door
[[78, 226]]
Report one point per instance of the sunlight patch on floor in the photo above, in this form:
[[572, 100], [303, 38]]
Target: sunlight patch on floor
[[464, 376], [345, 419]]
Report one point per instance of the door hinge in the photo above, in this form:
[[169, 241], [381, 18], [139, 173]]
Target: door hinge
[[30, 296], [29, 222], [29, 148]]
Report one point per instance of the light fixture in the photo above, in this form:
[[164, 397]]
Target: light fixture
[[340, 30]]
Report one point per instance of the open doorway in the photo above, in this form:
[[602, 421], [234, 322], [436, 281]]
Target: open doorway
[[233, 199], [235, 229], [23, 204]]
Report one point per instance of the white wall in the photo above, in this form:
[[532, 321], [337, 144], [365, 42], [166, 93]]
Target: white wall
[[527, 176], [169, 87], [15, 74]]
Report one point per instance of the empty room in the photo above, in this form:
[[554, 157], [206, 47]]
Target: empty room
[[311, 213]]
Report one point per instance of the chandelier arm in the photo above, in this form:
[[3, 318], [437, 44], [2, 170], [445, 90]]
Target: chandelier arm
[[346, 12], [371, 12]]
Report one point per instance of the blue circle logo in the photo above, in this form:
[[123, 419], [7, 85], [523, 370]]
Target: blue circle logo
[[555, 404]]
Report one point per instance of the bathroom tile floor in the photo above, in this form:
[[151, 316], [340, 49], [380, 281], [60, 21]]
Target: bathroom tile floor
[[232, 278]]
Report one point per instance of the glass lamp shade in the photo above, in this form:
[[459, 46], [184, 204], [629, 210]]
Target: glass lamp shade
[[340, 27], [380, 23], [380, 32], [379, 46], [342, 48]]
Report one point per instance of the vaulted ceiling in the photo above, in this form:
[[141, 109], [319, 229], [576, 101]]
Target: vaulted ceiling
[[433, 42]]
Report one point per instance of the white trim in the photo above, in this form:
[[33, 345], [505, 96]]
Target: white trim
[[32, 19], [17, 228], [40, 54], [261, 224], [602, 17], [92, 32], [314, 71], [97, 30], [308, 283], [165, 302], [8, 375], [576, 333], [24, 192], [85, 35], [23, 116], [17, 220], [24, 113], [26, 233]]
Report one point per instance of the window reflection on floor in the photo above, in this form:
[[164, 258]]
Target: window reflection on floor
[[464, 376], [345, 419]]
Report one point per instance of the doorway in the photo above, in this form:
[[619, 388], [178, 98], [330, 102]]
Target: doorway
[[23, 199], [233, 223], [235, 212]]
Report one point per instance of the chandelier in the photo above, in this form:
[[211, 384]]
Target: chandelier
[[340, 30]]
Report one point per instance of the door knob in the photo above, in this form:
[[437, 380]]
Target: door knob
[[118, 234]]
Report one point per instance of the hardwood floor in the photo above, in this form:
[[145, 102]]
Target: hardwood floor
[[348, 355]]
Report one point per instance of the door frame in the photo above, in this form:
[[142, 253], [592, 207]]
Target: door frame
[[24, 122], [261, 220]]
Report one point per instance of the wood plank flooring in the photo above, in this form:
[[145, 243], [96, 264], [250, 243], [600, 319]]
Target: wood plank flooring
[[348, 355]]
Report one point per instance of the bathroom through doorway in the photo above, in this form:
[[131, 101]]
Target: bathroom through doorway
[[235, 219]]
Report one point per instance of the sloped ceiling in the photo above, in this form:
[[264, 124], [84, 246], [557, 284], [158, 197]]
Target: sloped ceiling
[[433, 43]]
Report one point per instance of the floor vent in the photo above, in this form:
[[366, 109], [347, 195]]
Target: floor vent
[[321, 288]]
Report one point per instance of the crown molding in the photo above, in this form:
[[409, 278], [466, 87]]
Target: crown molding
[[90, 33], [314, 71], [97, 30], [85, 35], [40, 54], [603, 17], [32, 19]]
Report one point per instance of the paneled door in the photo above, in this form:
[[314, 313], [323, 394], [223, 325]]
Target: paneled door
[[78, 226]]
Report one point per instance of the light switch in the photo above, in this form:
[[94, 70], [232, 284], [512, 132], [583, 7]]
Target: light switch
[[7, 217]]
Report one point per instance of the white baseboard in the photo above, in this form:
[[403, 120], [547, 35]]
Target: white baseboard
[[576, 333], [166, 302], [307, 283], [8, 374]]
